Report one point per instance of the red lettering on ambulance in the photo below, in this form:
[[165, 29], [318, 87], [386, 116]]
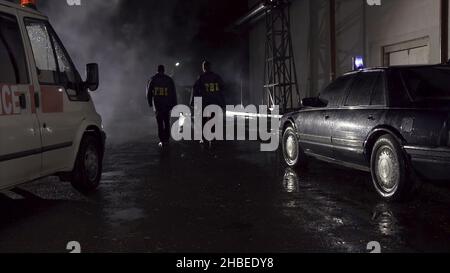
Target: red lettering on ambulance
[[6, 100], [52, 99], [10, 99]]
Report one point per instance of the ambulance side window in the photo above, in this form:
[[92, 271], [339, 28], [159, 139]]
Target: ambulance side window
[[53, 64], [13, 67], [66, 71], [44, 55], [68, 75]]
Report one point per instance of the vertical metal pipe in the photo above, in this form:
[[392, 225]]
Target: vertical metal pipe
[[333, 39], [444, 30], [364, 33]]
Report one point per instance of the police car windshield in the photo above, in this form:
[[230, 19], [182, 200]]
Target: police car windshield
[[427, 83]]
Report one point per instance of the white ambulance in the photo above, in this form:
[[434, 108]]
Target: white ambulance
[[48, 122]]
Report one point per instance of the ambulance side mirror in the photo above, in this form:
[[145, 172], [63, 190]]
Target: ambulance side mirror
[[92, 76]]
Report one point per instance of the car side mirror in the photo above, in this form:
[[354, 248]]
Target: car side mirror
[[314, 102], [92, 76]]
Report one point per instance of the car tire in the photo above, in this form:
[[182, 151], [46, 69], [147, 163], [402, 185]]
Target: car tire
[[87, 173], [292, 152], [392, 176]]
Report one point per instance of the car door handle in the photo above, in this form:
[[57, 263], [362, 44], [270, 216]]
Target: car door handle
[[36, 100], [22, 101], [371, 118], [327, 117]]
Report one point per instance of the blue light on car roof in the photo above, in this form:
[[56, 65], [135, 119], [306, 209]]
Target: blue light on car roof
[[358, 63]]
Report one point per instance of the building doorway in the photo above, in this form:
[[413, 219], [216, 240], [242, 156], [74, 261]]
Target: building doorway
[[413, 52]]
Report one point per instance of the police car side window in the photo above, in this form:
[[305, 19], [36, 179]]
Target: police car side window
[[13, 67], [44, 55], [334, 93], [378, 97], [362, 89]]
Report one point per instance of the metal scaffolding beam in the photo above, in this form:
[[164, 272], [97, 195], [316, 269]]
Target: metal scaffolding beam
[[280, 74], [256, 13]]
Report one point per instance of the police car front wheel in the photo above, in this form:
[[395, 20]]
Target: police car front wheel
[[293, 154], [88, 167]]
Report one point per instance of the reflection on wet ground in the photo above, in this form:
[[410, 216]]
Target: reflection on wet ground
[[236, 199]]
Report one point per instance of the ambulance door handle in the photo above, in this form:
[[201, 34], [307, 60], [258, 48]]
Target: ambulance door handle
[[22, 101], [36, 100]]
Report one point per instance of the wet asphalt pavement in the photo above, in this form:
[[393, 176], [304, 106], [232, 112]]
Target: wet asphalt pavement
[[236, 199]]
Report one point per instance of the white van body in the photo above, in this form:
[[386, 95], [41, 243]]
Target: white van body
[[45, 108]]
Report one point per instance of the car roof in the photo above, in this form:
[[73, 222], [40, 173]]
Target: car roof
[[20, 7], [395, 67]]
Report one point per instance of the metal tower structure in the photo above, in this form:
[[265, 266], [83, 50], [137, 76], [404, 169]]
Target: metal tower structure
[[280, 74]]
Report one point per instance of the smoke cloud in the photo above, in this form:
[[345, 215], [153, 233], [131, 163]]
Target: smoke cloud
[[129, 38]]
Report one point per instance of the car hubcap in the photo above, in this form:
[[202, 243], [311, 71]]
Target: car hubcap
[[91, 163], [290, 146], [387, 169]]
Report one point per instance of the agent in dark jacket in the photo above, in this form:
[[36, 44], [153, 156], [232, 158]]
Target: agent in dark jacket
[[161, 93], [210, 88]]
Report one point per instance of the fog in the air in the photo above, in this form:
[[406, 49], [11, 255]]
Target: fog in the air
[[129, 38]]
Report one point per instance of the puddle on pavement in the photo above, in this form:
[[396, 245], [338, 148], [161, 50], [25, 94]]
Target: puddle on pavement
[[113, 174], [127, 215]]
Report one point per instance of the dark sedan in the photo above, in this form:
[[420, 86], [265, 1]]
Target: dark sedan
[[393, 122]]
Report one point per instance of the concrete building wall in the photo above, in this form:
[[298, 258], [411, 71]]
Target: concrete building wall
[[360, 30], [350, 34], [399, 21], [256, 68], [319, 71]]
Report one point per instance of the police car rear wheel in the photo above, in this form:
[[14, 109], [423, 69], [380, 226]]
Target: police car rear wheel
[[392, 175], [88, 168]]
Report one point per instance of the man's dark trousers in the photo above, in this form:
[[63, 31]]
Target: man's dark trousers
[[164, 127]]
